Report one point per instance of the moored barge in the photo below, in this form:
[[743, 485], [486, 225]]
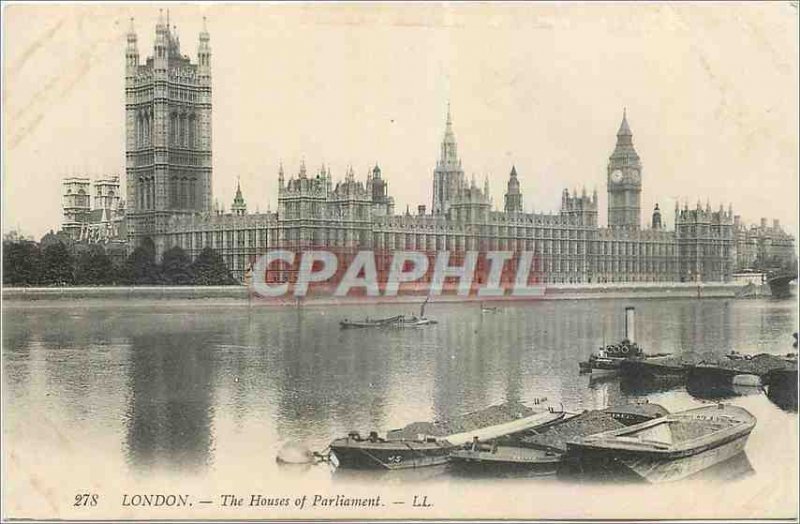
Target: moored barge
[[422, 444], [668, 448], [540, 452]]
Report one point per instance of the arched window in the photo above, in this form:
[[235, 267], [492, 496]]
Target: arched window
[[192, 130], [173, 128], [150, 126], [193, 193], [183, 130], [173, 192], [183, 192]]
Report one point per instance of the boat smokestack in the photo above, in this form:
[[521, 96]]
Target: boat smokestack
[[630, 324]]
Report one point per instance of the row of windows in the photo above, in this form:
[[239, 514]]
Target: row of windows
[[339, 237]]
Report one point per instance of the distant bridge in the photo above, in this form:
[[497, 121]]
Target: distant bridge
[[778, 282]]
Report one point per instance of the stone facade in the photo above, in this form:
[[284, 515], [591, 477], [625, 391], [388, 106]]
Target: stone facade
[[569, 246], [168, 101], [762, 245], [168, 124], [102, 222]]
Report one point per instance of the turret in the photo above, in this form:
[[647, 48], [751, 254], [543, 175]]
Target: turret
[[656, 224], [448, 177], [131, 53], [204, 53], [239, 207], [513, 197], [161, 45], [449, 156], [377, 186]]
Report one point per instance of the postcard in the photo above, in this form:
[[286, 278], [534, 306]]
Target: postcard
[[417, 261]]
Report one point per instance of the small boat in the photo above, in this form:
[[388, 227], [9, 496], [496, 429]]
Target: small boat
[[370, 323], [413, 321], [735, 355], [540, 452], [422, 444], [401, 321], [667, 448], [487, 309]]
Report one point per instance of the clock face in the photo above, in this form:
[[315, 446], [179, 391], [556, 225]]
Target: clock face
[[616, 176]]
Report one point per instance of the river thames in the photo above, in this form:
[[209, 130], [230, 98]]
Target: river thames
[[118, 398]]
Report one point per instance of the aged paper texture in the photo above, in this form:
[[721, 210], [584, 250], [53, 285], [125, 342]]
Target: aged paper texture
[[400, 261]]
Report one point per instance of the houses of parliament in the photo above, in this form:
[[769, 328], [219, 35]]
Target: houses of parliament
[[169, 200]]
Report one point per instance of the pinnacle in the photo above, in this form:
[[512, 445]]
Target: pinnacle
[[624, 128]]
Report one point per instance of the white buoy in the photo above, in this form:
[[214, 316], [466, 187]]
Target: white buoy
[[295, 453]]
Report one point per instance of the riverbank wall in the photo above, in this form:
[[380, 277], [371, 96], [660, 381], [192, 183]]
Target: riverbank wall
[[244, 295]]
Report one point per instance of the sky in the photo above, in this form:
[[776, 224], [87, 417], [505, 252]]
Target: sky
[[711, 92]]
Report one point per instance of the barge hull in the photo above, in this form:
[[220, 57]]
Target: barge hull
[[363, 457], [656, 467]]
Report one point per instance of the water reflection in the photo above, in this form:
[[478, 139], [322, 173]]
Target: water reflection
[[735, 468], [782, 391], [707, 387], [171, 400]]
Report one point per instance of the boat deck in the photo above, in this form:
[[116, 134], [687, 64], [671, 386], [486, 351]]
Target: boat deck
[[491, 416], [507, 455], [692, 429], [555, 438]]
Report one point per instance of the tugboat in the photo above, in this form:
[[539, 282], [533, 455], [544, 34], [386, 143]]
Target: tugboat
[[668, 448], [608, 358], [423, 444]]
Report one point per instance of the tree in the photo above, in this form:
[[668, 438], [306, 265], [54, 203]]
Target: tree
[[176, 267], [21, 263], [209, 269], [58, 265], [95, 267], [141, 266]]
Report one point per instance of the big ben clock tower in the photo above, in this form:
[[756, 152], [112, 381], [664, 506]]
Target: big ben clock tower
[[624, 181]]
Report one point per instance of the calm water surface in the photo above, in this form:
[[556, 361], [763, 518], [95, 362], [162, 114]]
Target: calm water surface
[[117, 397]]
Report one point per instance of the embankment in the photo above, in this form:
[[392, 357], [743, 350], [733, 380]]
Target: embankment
[[243, 295]]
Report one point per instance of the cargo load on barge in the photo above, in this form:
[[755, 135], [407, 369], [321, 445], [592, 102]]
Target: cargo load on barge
[[540, 452], [421, 444]]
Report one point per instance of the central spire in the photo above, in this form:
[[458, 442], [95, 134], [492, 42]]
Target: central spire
[[449, 156], [624, 128]]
